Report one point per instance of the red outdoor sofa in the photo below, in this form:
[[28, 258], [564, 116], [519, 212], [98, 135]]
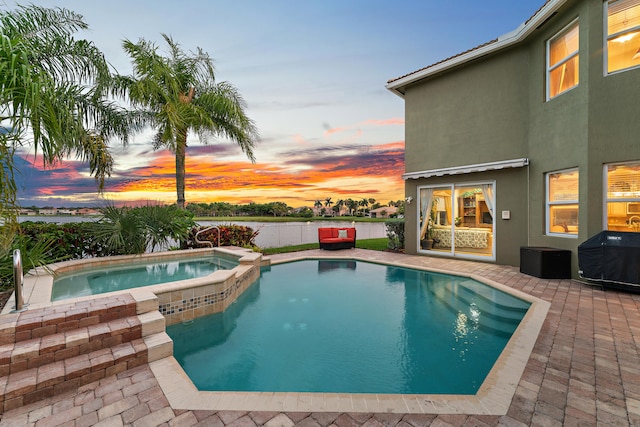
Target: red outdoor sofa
[[332, 238]]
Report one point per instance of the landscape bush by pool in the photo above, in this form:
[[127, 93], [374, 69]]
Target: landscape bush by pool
[[351, 327]]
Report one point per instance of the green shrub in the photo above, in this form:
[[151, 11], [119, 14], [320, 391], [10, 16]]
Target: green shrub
[[32, 254], [395, 234], [126, 230], [230, 235], [119, 231], [69, 241]]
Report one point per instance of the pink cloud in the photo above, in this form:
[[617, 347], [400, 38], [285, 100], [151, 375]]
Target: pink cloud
[[388, 122]]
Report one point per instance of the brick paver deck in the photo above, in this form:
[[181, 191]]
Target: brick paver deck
[[584, 370]]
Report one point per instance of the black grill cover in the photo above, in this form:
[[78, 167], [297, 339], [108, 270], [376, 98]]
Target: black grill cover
[[611, 256]]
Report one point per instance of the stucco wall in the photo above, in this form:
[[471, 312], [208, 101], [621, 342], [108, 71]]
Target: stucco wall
[[495, 108], [558, 137], [510, 195], [473, 115], [614, 123]]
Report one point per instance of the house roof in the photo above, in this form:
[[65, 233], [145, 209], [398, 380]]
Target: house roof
[[389, 209], [548, 9]]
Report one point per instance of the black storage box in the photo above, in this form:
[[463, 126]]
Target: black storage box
[[546, 263], [611, 256]]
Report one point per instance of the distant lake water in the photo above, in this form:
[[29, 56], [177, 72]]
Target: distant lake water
[[270, 234]]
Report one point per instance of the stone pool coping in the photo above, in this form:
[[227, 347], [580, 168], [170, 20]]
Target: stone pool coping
[[493, 398]]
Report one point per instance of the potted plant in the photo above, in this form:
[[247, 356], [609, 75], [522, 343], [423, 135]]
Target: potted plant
[[430, 240]]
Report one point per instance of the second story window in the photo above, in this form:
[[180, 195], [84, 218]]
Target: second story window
[[562, 61], [623, 34], [562, 203]]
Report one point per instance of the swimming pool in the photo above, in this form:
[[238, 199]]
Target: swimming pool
[[136, 274], [343, 326]]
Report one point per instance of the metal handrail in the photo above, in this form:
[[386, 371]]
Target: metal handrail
[[207, 242], [18, 278]]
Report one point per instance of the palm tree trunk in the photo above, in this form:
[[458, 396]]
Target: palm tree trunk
[[181, 152], [181, 149]]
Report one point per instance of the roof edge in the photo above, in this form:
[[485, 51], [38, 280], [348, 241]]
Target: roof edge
[[478, 167], [506, 40]]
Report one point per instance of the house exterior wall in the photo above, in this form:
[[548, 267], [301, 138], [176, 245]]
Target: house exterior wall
[[495, 108], [481, 107], [489, 117], [509, 187], [558, 137]]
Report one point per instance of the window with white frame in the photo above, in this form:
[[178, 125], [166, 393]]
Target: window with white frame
[[622, 30], [562, 203], [622, 196], [562, 61]]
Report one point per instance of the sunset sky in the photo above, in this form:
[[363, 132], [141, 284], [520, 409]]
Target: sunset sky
[[313, 74]]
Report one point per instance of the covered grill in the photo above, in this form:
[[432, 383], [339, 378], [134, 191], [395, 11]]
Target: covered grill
[[611, 256]]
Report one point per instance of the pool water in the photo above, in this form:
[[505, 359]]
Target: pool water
[[351, 327], [97, 281]]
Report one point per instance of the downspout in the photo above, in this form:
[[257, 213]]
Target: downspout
[[528, 204]]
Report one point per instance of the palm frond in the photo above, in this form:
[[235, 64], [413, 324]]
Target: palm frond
[[180, 91], [55, 85]]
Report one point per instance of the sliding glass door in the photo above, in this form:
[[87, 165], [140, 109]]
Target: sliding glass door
[[457, 219]]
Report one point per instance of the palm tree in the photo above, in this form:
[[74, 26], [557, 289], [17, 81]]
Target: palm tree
[[317, 205], [53, 85], [328, 203], [178, 94], [364, 203], [352, 205], [340, 204]]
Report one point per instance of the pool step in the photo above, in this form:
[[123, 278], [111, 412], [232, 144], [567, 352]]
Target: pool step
[[494, 316], [50, 350]]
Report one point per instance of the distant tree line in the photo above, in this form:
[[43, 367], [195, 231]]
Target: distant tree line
[[347, 207], [250, 209]]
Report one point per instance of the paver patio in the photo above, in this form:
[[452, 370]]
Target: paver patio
[[584, 370]]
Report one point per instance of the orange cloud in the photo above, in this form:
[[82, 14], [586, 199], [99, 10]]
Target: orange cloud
[[346, 171], [387, 122], [370, 122], [335, 130]]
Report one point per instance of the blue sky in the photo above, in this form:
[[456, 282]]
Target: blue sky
[[313, 74]]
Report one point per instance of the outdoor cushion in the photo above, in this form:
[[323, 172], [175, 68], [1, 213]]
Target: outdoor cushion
[[337, 238]]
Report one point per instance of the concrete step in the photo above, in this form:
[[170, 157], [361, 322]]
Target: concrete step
[[59, 318], [50, 350], [35, 352], [30, 385], [159, 346]]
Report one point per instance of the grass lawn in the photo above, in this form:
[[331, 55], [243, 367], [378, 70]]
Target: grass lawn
[[372, 244]]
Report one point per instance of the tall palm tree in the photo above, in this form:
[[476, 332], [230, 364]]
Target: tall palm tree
[[328, 203], [178, 94], [364, 203], [51, 96]]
